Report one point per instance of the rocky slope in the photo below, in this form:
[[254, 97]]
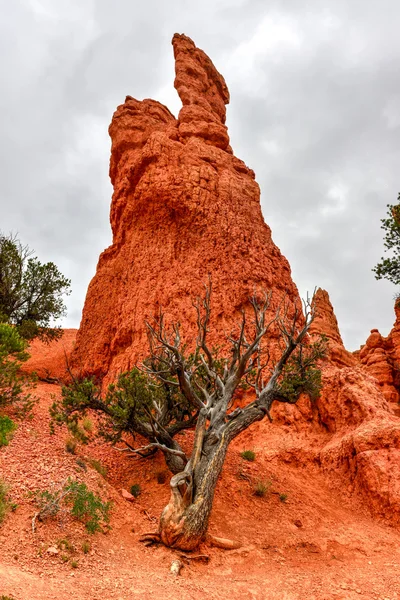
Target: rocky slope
[[184, 208]]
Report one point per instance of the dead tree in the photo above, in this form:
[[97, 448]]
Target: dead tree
[[209, 384]]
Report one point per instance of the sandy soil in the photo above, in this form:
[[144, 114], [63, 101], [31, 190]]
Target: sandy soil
[[320, 543]]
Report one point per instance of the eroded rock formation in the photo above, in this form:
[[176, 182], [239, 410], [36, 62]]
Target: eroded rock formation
[[184, 207], [381, 358], [326, 324]]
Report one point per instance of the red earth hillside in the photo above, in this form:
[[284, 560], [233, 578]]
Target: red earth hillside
[[184, 207]]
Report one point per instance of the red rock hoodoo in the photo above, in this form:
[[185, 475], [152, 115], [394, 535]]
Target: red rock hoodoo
[[381, 358], [326, 324], [183, 207]]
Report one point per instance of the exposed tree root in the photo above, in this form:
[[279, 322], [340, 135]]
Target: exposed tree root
[[223, 543], [149, 539], [200, 557]]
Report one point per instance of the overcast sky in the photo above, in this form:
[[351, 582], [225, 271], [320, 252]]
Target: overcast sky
[[315, 111]]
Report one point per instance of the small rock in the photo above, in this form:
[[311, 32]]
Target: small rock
[[298, 523], [125, 494], [52, 550]]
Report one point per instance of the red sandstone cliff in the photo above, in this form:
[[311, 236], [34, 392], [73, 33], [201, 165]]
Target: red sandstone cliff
[[183, 207]]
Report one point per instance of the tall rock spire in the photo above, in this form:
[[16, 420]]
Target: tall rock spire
[[184, 207]]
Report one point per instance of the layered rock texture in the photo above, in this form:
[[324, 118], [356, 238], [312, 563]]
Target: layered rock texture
[[326, 324], [381, 358], [184, 208]]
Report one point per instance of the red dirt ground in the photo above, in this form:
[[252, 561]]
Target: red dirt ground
[[321, 543]]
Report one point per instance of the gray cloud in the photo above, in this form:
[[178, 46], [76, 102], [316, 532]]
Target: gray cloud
[[315, 111]]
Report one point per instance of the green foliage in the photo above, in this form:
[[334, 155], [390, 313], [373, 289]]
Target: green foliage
[[70, 445], [4, 502], [31, 293], [49, 503], [136, 490], [81, 463], [7, 427], [87, 425], [389, 267], [74, 564], [65, 544], [84, 504], [301, 374], [97, 466], [12, 381], [126, 408], [248, 455], [283, 497], [262, 488], [86, 547]]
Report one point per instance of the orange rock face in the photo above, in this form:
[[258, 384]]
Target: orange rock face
[[184, 207], [326, 324], [50, 361], [381, 358]]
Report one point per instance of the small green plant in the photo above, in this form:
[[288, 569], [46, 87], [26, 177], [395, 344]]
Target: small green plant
[[66, 545], [85, 505], [86, 547], [283, 497], [87, 424], [74, 564], [97, 466], [70, 445], [81, 463], [249, 455], [4, 503], [64, 558], [136, 490], [161, 477], [262, 488], [7, 428], [7, 598]]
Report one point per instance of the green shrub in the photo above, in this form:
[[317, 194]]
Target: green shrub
[[262, 488], [136, 490], [87, 425], [65, 544], [74, 564], [301, 375], [96, 464], [248, 455], [283, 497], [4, 503], [86, 547], [12, 381], [81, 463], [84, 505], [7, 427], [87, 506], [70, 445]]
